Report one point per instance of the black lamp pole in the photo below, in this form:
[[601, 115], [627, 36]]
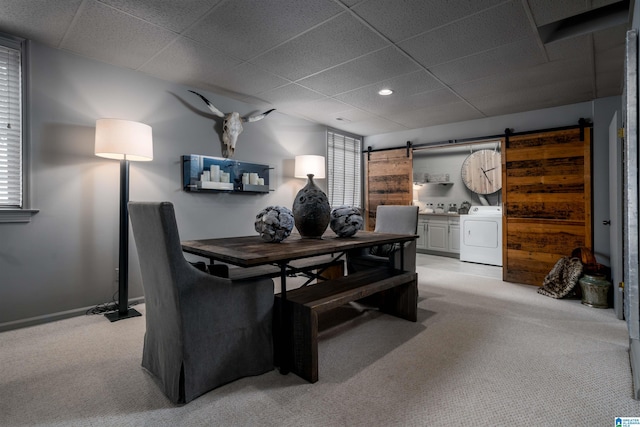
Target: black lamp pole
[[124, 312]]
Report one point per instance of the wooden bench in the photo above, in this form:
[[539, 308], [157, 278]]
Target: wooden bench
[[395, 292]]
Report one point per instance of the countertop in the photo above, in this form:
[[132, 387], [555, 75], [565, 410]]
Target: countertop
[[438, 214]]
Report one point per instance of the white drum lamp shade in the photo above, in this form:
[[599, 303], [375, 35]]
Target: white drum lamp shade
[[309, 164], [123, 140]]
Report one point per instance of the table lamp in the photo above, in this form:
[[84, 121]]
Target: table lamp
[[311, 210], [126, 141]]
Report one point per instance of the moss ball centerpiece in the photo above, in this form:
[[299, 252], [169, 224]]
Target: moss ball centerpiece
[[274, 223]]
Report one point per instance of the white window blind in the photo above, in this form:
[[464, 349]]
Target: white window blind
[[344, 165], [10, 128]]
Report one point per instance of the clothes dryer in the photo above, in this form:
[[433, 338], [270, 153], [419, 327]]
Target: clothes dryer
[[481, 235]]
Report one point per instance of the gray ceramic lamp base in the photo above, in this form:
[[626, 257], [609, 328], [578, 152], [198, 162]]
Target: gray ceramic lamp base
[[311, 211]]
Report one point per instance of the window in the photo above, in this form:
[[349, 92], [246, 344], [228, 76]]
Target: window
[[12, 146], [10, 129], [344, 166]]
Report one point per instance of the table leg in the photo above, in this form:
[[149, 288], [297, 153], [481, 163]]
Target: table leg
[[285, 324]]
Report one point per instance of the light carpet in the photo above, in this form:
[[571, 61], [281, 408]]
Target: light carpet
[[483, 352]]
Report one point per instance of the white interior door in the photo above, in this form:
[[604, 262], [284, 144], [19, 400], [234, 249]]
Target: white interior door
[[615, 213]]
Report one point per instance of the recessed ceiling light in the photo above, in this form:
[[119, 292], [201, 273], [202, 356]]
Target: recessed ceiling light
[[385, 92]]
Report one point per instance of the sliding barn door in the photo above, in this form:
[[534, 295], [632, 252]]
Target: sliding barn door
[[547, 201], [388, 181]]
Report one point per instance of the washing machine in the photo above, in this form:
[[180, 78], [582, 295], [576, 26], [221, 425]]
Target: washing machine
[[481, 235]]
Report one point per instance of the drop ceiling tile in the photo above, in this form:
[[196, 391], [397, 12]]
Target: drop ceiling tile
[[609, 47], [322, 107], [610, 60], [599, 3], [609, 85], [547, 11], [393, 105], [258, 104], [512, 108], [245, 28], [609, 68], [374, 126], [399, 21], [402, 86], [552, 93], [336, 41], [105, 34], [352, 115], [611, 38], [250, 80], [528, 99], [486, 30], [435, 98], [519, 54], [187, 60], [173, 15], [328, 111], [375, 67], [560, 93], [43, 20], [538, 76], [351, 3], [289, 96], [431, 116], [569, 48]]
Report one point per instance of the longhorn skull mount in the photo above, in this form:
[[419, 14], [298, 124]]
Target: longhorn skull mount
[[231, 125]]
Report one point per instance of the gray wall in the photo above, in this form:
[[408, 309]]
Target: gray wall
[[599, 111], [65, 259]]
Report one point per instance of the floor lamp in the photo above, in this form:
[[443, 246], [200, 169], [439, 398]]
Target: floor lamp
[[126, 141]]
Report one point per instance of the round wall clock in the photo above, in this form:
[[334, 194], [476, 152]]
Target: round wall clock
[[482, 172]]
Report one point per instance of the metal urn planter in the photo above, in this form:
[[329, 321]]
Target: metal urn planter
[[595, 290]]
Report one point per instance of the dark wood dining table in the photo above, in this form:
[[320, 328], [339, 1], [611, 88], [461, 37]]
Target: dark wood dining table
[[249, 251], [252, 251]]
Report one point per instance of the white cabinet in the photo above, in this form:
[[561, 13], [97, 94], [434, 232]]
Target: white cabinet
[[439, 234], [454, 237], [421, 242]]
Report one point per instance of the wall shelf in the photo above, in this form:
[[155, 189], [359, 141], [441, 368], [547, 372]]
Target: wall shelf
[[433, 183], [194, 165]]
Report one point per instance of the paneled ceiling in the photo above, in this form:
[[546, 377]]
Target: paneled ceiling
[[325, 60]]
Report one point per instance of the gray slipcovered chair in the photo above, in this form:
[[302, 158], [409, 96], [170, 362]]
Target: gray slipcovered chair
[[202, 331], [398, 219]]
